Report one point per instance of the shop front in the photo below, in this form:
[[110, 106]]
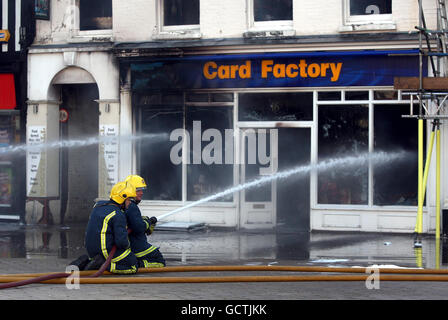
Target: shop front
[[11, 163], [207, 124]]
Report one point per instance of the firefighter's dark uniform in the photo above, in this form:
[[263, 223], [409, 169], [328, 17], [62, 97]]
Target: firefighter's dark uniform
[[148, 255], [106, 228]]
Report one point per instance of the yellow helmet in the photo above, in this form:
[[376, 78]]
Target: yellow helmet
[[121, 191], [137, 181]]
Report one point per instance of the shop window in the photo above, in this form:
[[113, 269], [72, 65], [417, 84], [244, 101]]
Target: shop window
[[294, 106], [272, 10], [343, 131], [209, 170], [180, 12], [163, 176], [209, 97], [385, 95], [95, 15], [356, 95], [329, 96], [9, 162], [395, 183]]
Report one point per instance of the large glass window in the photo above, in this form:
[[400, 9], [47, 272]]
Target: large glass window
[[210, 168], [271, 10], [343, 131], [164, 178], [295, 106], [95, 15], [395, 183], [180, 12], [367, 7]]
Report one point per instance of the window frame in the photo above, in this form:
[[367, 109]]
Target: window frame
[[176, 31], [371, 102], [365, 22], [187, 104], [268, 25], [85, 35]]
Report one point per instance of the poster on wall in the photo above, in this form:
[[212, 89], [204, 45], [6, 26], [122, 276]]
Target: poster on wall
[[108, 148], [35, 161], [5, 186], [42, 9], [5, 137]]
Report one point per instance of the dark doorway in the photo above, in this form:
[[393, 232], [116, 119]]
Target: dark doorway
[[293, 193], [79, 160]]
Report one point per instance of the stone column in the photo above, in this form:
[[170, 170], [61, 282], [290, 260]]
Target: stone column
[[126, 141], [42, 159], [108, 151]]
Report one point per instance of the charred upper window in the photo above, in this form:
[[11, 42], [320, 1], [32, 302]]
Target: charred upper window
[[365, 7], [95, 15], [180, 12], [271, 10]]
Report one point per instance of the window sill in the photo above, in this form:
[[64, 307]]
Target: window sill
[[91, 36], [355, 27], [337, 208], [177, 35], [280, 33]]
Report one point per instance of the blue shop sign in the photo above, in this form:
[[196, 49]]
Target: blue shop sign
[[311, 69]]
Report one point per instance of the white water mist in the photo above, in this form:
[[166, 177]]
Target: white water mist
[[74, 143], [330, 164]]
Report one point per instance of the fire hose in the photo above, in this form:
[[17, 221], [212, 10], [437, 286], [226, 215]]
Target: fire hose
[[91, 277], [22, 281]]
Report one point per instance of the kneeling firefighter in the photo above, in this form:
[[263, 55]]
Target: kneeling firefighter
[[107, 227], [148, 255]]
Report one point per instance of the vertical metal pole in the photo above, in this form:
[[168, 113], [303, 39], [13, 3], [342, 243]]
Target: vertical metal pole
[[419, 224], [438, 181], [419, 227], [428, 162], [420, 55]]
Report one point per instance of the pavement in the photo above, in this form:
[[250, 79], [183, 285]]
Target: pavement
[[35, 249]]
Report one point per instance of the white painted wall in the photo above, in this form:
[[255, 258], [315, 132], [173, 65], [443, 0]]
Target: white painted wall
[[138, 20], [43, 67]]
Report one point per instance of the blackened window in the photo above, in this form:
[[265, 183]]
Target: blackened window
[[365, 7], [210, 168], [295, 106], [164, 178], [269, 10], [395, 183], [95, 15], [343, 131], [180, 12]]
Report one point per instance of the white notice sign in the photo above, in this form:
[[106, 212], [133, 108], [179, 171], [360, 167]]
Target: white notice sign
[[35, 161], [109, 150]]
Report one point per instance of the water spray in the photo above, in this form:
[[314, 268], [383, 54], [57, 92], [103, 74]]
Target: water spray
[[80, 142], [330, 164]]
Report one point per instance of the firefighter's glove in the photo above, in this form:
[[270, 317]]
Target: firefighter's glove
[[151, 222]]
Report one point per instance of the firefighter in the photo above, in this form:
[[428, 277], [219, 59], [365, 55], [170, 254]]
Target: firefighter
[[107, 227], [148, 255]]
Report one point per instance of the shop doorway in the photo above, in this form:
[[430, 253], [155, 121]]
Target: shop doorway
[[283, 204], [79, 161], [293, 193]]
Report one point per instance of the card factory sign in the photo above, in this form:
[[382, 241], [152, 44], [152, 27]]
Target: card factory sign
[[298, 69]]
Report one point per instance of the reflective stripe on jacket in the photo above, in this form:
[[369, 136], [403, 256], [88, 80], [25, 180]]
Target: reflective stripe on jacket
[[138, 239], [106, 228]]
